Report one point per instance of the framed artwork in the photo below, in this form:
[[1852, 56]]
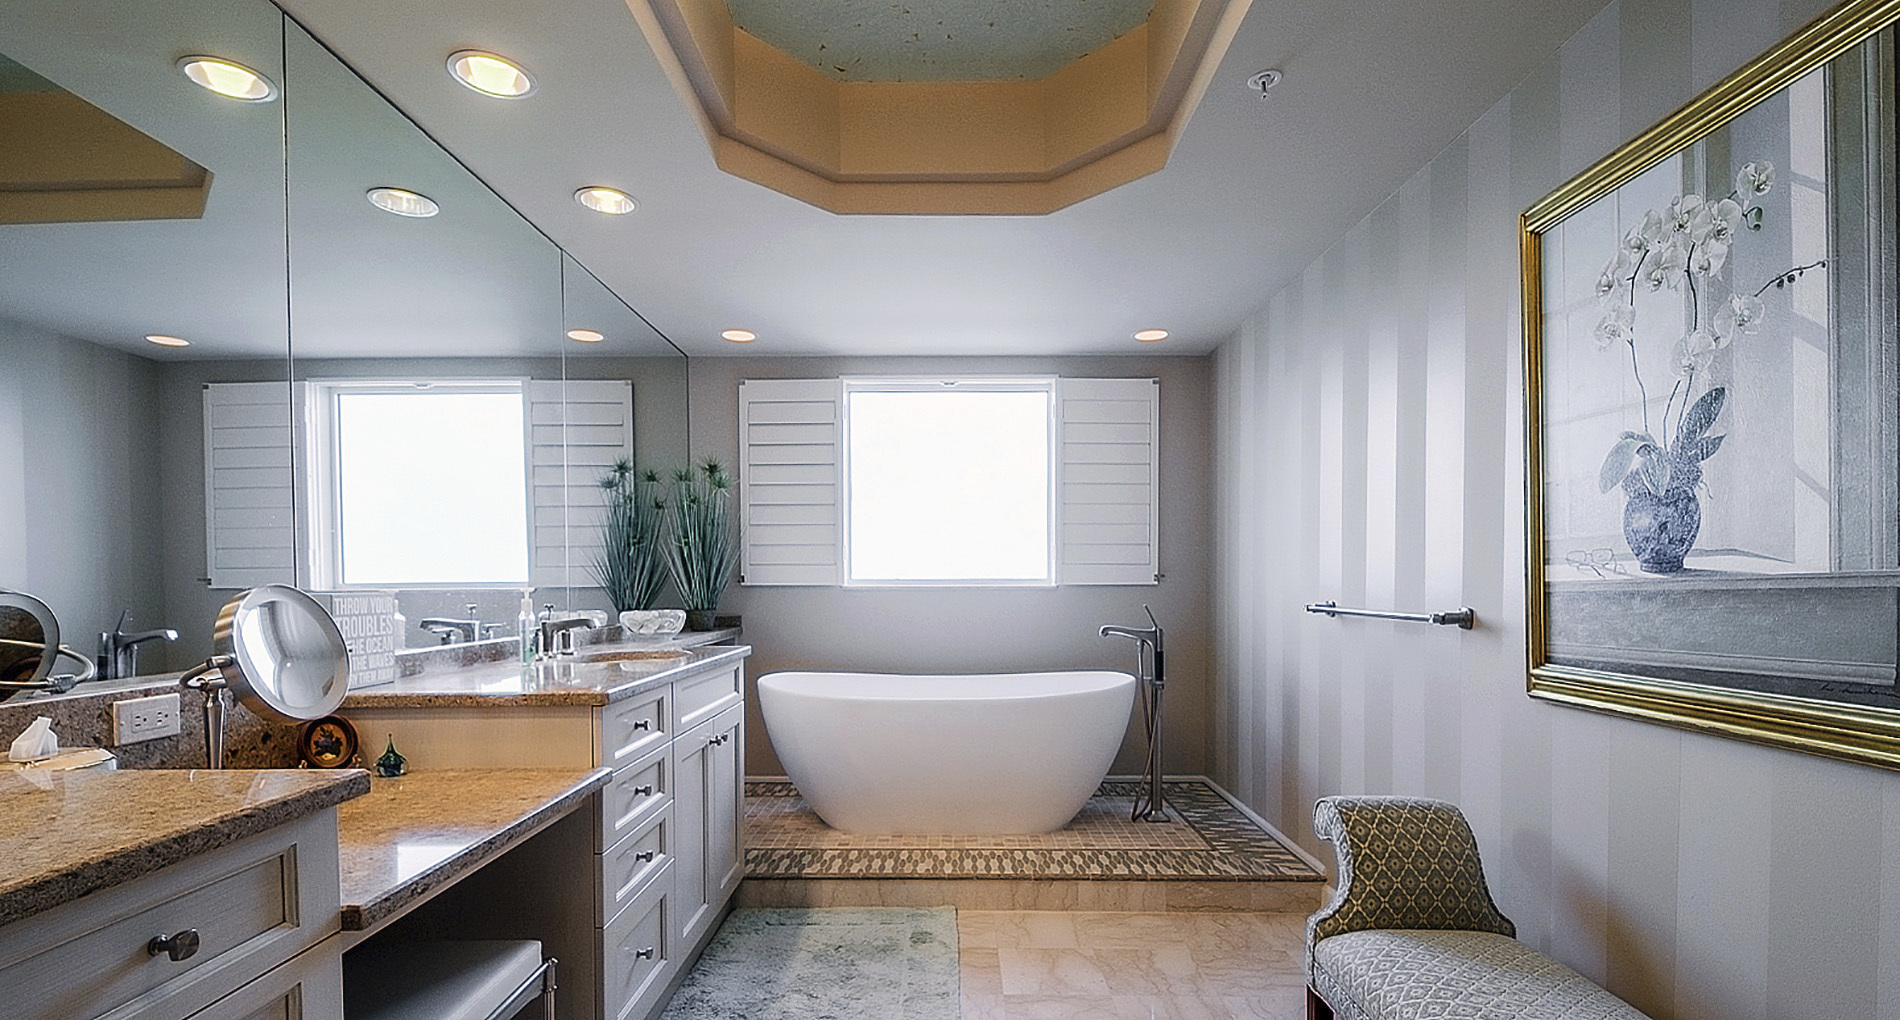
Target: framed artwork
[[1712, 387]]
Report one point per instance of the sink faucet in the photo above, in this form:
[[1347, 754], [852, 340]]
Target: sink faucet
[[451, 629], [119, 651], [553, 630]]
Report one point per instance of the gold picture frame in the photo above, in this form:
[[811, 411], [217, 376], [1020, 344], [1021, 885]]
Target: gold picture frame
[[1752, 630]]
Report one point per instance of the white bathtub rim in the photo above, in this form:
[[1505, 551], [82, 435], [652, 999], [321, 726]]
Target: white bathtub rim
[[895, 685]]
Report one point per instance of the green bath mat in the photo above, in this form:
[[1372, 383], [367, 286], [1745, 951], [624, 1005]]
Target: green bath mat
[[874, 963]]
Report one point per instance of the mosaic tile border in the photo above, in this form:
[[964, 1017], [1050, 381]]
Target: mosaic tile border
[[1239, 850]]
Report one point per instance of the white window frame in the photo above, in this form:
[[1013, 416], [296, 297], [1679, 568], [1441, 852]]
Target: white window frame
[[1104, 477], [1045, 385], [324, 537]]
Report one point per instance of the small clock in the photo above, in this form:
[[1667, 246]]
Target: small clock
[[328, 743]]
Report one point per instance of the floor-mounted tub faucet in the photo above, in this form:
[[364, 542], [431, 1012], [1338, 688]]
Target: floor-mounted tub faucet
[[119, 651], [1149, 671]]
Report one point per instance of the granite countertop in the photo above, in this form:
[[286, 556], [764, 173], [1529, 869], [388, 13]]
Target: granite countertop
[[63, 835], [564, 681], [413, 835]]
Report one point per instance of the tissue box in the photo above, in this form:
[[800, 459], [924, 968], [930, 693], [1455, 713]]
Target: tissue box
[[67, 759]]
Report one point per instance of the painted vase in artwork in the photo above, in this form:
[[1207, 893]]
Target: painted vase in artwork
[[1662, 529]]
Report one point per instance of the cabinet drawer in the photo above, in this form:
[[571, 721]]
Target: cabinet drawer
[[309, 987], [251, 904], [699, 698], [632, 863], [637, 954], [633, 796], [631, 729]]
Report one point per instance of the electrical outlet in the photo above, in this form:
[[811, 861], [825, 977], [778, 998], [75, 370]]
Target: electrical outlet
[[138, 719]]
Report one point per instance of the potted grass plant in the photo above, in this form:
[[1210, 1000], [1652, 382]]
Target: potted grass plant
[[701, 539], [631, 567]]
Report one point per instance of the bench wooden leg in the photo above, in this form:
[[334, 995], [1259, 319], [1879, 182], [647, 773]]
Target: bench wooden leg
[[1316, 1007]]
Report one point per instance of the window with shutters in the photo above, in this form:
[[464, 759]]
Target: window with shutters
[[419, 483], [935, 481]]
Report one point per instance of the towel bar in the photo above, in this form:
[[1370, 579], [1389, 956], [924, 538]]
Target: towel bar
[[1464, 617]]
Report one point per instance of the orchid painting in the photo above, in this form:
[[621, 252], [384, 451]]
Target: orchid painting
[[1684, 247]]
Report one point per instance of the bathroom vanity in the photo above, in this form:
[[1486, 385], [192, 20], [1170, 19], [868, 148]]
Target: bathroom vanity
[[595, 806], [207, 895], [666, 852]]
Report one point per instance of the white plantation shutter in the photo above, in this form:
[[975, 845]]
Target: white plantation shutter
[[789, 481], [1109, 433], [250, 528], [576, 431]]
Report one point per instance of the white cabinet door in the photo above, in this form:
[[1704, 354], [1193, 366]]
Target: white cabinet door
[[725, 806], [708, 811], [692, 772]]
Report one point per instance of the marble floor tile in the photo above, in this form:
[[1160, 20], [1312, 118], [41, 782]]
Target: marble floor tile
[[1032, 965]]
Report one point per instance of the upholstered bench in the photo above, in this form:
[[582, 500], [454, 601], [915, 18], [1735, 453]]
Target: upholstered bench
[[1411, 931]]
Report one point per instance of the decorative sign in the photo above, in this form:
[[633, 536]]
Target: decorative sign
[[367, 620]]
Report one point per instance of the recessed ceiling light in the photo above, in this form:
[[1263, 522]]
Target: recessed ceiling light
[[490, 75], [606, 200], [586, 336], [231, 80], [403, 202], [1148, 336], [740, 336], [167, 341]]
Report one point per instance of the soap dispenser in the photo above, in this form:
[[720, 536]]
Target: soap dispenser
[[525, 625]]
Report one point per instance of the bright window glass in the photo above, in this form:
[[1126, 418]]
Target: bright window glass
[[430, 487], [948, 485]]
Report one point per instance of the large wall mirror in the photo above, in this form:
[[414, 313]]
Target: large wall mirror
[[368, 398]]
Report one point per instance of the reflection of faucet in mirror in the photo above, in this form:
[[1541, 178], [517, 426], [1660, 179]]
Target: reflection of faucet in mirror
[[119, 651], [452, 630]]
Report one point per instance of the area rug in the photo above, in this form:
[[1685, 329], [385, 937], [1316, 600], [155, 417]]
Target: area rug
[[874, 963]]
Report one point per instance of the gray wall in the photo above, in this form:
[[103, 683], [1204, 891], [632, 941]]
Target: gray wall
[[1369, 450], [79, 462], [976, 630]]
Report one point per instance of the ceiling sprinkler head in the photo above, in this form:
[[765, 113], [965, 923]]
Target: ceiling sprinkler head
[[1265, 80]]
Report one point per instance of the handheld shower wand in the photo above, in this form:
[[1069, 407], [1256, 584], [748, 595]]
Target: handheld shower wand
[[1150, 674]]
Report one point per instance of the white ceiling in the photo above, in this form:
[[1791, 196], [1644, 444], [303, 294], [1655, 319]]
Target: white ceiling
[[1256, 189]]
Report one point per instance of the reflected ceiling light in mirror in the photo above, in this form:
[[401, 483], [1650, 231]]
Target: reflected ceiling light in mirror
[[403, 202], [586, 336], [167, 341], [609, 201], [740, 336], [1148, 336], [228, 79], [489, 74]]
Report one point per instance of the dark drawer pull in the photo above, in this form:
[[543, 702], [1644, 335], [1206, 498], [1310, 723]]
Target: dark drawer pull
[[643, 791], [644, 855], [644, 954], [718, 740], [643, 724], [179, 946]]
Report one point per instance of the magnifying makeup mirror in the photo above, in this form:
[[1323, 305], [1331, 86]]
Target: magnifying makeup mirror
[[31, 656], [280, 652]]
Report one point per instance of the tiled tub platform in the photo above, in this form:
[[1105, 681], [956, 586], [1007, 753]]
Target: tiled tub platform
[[1207, 856]]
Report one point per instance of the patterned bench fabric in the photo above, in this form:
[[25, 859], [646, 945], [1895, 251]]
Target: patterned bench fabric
[[1471, 975], [1403, 863]]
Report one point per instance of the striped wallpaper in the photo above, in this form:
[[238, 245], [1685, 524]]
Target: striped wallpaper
[[1368, 450]]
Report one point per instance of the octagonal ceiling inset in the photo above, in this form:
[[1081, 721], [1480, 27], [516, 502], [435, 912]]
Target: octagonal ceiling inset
[[940, 106]]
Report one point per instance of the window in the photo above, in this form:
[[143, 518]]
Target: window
[[452, 455], [443, 482], [949, 481]]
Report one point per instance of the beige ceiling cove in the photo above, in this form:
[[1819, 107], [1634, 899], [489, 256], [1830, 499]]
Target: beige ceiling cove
[[941, 106]]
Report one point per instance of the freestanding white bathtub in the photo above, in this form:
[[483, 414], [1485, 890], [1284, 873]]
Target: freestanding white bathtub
[[954, 755]]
